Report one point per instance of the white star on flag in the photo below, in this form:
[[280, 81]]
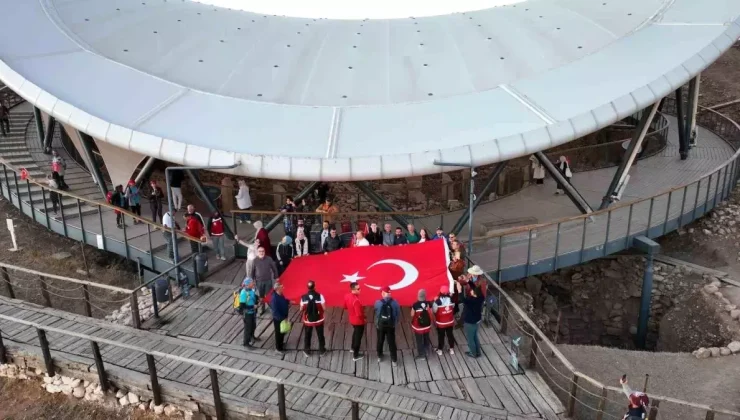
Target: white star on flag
[[352, 278]]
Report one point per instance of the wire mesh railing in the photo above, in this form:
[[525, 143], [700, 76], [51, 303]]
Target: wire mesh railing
[[538, 248]]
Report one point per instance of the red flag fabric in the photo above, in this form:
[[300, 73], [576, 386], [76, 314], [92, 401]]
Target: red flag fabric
[[403, 268]]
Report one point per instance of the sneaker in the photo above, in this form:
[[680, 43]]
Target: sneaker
[[256, 339], [357, 357], [394, 364], [223, 258], [280, 352], [439, 352], [351, 351], [305, 353], [452, 352], [380, 359], [469, 354]]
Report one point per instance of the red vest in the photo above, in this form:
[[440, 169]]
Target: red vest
[[419, 308], [217, 227], [320, 302], [445, 315]]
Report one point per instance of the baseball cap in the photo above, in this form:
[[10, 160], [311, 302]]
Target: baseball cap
[[386, 289]]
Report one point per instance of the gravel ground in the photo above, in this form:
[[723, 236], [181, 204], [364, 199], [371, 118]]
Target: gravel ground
[[714, 381]]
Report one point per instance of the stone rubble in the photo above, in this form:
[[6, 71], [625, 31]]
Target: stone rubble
[[89, 391]]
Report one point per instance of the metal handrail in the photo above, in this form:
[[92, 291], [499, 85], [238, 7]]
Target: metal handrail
[[206, 365]]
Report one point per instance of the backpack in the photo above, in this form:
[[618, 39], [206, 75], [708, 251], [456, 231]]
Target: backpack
[[424, 320], [385, 318], [312, 310]]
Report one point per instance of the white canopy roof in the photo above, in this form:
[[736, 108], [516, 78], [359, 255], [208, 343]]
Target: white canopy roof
[[342, 99]]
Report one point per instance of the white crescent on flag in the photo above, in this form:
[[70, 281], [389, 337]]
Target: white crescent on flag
[[410, 274]]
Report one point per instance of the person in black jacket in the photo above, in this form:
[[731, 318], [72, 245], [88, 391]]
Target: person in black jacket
[[399, 238], [374, 235], [284, 254], [176, 189], [333, 242], [155, 201]]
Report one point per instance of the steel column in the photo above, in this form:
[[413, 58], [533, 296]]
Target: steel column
[[484, 192], [693, 108], [39, 125], [380, 201], [301, 195], [570, 190], [682, 142], [650, 248], [49, 135], [204, 196], [86, 142], [629, 156], [145, 171]]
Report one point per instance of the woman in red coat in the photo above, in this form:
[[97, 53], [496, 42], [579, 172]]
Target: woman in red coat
[[264, 237]]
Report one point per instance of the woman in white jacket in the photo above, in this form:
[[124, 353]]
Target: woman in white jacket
[[244, 201], [301, 243]]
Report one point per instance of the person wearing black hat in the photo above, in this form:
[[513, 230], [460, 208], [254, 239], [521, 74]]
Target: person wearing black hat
[[312, 315]]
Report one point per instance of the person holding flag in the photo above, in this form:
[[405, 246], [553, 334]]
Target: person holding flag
[[312, 310]]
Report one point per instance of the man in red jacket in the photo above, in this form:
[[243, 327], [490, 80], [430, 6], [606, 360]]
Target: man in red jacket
[[312, 308], [356, 317], [194, 228]]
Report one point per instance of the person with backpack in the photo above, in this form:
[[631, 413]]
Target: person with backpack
[[472, 299], [248, 308], [356, 315], [387, 314], [312, 309], [133, 199], [638, 402], [444, 318], [421, 323]]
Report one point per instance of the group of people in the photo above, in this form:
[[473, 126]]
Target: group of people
[[538, 171], [424, 313]]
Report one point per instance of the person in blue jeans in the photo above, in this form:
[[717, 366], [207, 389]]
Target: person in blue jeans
[[248, 308], [473, 300]]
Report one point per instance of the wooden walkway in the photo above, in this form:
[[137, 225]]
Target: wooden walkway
[[205, 328]]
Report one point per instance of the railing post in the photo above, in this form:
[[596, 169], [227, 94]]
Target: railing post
[[716, 189], [654, 406], [650, 217], [724, 183], [169, 290], [30, 200], [44, 343], [572, 395], [102, 377], [17, 192], [196, 276], [64, 219], [529, 253], [583, 239], [683, 206], [281, 402], [3, 353], [82, 222], [499, 257], [696, 200], [608, 226], [125, 235], [504, 323], [8, 285], [86, 295], [355, 410], [102, 227], [155, 306], [135, 320], [149, 237], [217, 395], [557, 248], [533, 351], [667, 212], [46, 208], [602, 403], [710, 415], [629, 227], [706, 199], [44, 292], [156, 392]]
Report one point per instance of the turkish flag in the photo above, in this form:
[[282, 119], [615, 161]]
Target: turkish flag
[[403, 268]]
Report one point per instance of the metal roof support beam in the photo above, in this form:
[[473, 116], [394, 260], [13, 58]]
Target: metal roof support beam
[[145, 171], [39, 125], [49, 137], [634, 148], [380, 201], [86, 142], [204, 196], [569, 189], [680, 118], [692, 110], [301, 195], [486, 189]]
